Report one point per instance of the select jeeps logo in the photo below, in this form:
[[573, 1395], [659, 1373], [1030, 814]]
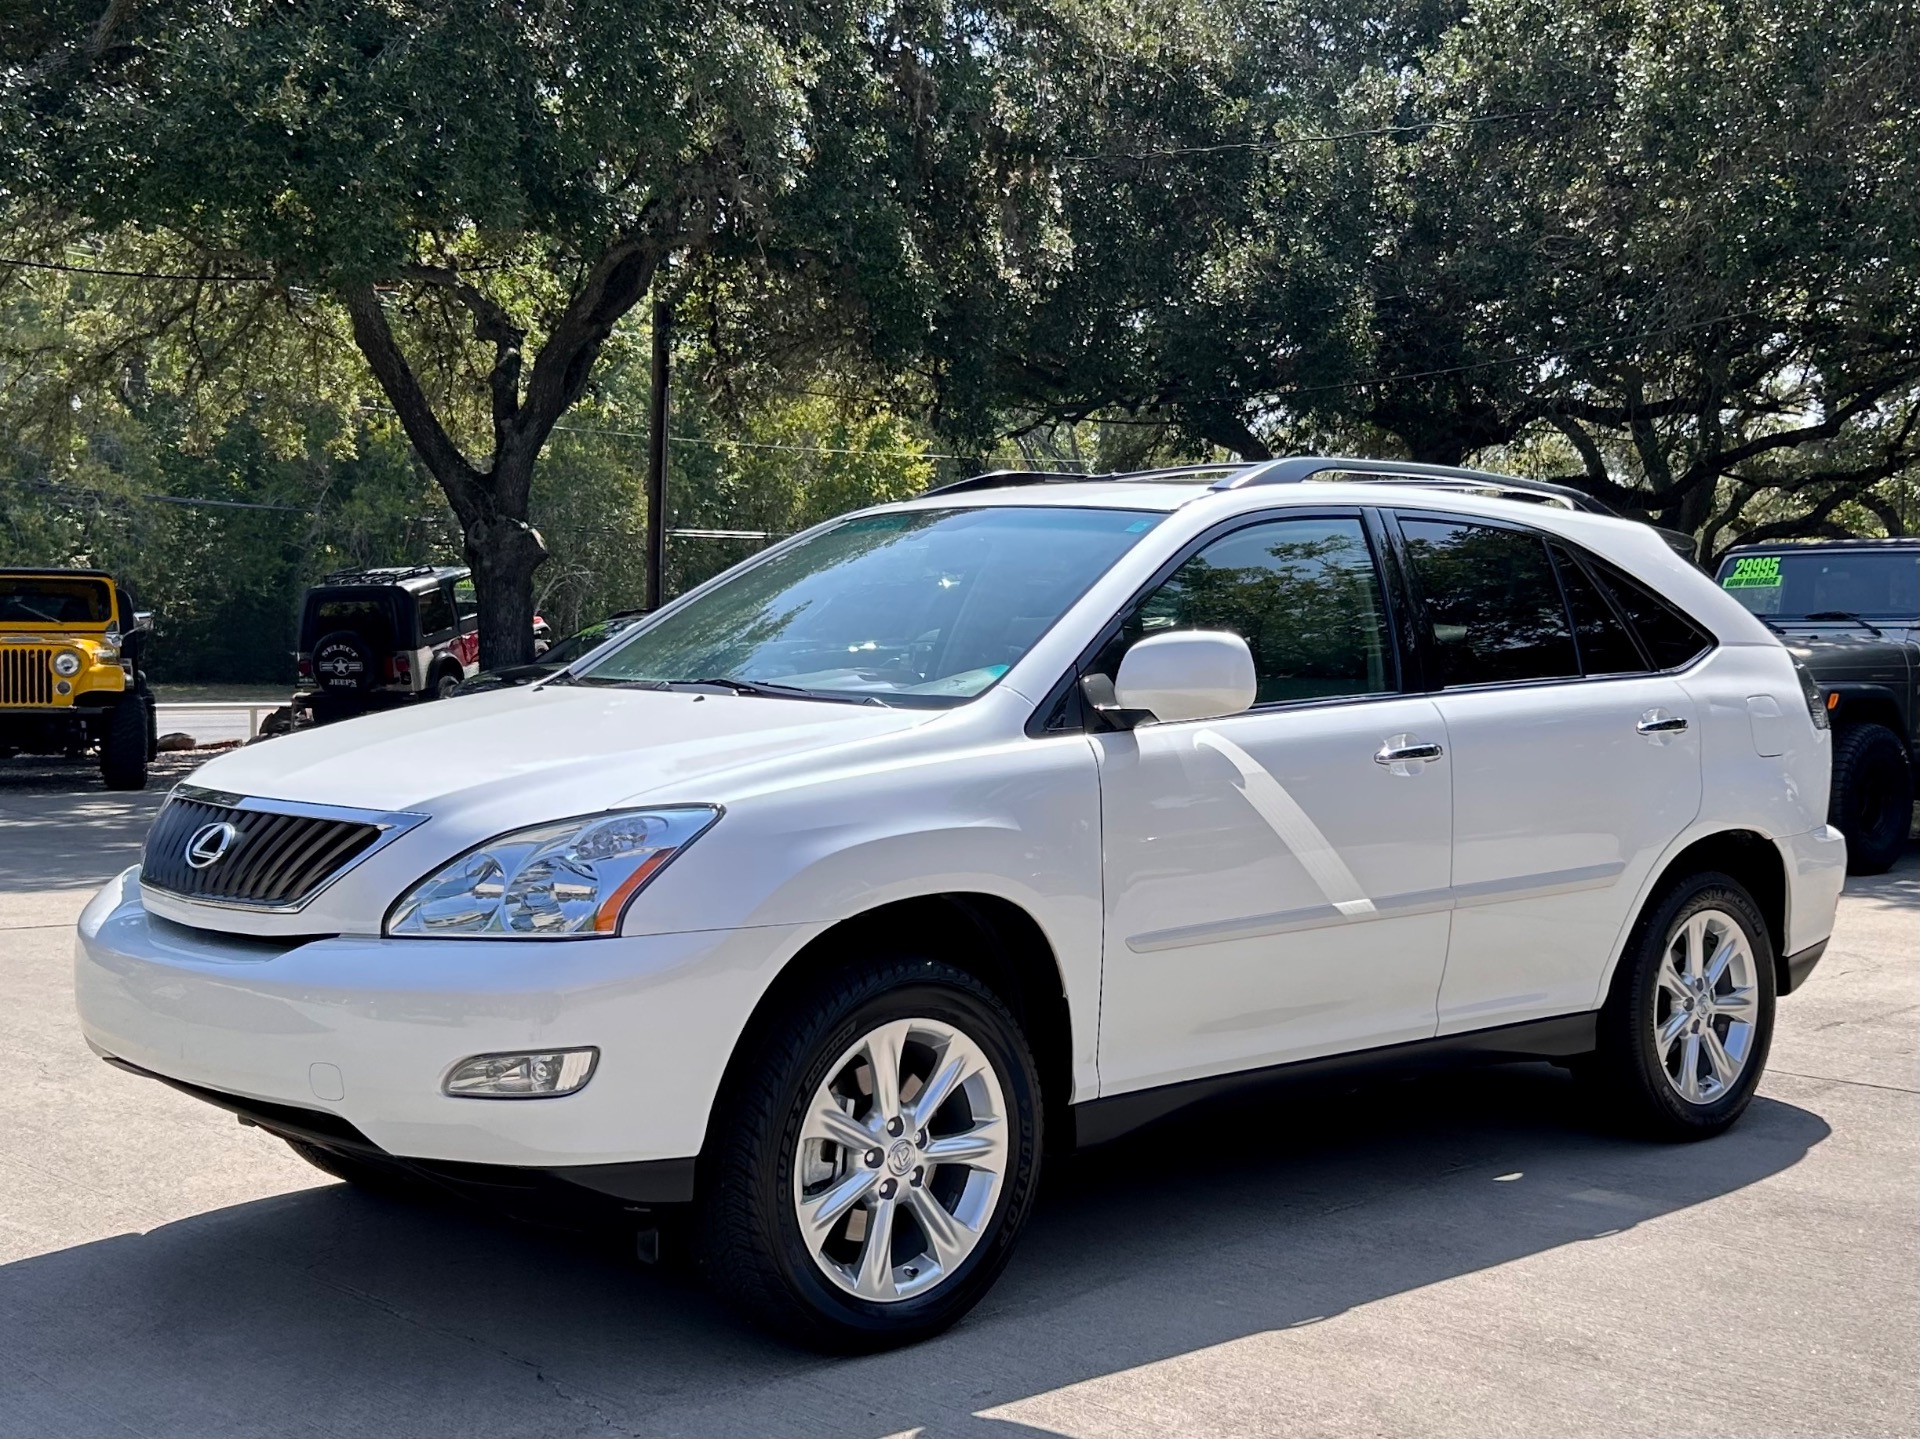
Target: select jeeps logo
[[209, 845]]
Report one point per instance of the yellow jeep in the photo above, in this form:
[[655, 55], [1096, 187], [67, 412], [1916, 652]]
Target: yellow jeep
[[70, 679]]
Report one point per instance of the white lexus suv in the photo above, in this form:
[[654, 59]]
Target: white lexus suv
[[818, 908]]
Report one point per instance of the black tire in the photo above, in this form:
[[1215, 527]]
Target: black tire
[[749, 1242], [367, 1173], [343, 665], [1872, 803], [123, 747], [1627, 1076], [153, 719], [445, 682]]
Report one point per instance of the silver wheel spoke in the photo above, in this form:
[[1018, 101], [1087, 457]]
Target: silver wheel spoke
[[983, 1145], [950, 1240], [874, 1279], [885, 1048], [1718, 1060], [1695, 947], [1690, 1067], [829, 1121], [1728, 951], [1737, 1005], [820, 1214], [1675, 1026], [955, 1066], [1669, 978]]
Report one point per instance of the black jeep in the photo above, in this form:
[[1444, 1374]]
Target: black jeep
[[1850, 612], [376, 637]]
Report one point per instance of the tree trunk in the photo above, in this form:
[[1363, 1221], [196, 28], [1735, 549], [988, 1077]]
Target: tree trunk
[[503, 553]]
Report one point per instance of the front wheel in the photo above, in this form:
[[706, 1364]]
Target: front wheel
[[1685, 1033], [123, 747], [876, 1160]]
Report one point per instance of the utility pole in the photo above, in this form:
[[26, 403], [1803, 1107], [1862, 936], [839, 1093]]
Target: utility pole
[[657, 456]]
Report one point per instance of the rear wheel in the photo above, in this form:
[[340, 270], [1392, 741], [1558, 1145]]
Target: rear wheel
[[123, 748], [444, 684], [1685, 1033], [876, 1160], [1872, 802]]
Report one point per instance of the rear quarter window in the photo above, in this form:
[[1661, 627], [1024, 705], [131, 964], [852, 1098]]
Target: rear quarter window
[[1670, 637]]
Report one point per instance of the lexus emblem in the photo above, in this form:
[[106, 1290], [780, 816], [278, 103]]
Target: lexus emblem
[[209, 843]]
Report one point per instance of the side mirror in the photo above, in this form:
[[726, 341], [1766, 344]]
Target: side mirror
[[1187, 675], [143, 619]]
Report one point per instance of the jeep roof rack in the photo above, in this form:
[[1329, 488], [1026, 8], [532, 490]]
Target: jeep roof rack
[[378, 574]]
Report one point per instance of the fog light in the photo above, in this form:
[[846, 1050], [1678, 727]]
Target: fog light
[[540, 1075], [61, 687]]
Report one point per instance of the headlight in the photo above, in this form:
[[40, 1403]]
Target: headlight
[[573, 877], [66, 664]]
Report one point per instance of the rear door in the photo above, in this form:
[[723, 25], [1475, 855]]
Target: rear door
[[1275, 887], [1575, 763]]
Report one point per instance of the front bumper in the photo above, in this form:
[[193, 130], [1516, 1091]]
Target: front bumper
[[364, 1029]]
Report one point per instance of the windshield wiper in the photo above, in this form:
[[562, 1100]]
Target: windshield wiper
[[769, 690], [1848, 615]]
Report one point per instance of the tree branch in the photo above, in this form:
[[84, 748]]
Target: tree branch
[[491, 325], [464, 484]]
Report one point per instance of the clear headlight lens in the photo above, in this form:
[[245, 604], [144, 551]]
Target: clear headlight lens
[[573, 877], [66, 664]]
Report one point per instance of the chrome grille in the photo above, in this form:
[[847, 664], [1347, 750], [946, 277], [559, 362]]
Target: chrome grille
[[276, 859], [26, 674]]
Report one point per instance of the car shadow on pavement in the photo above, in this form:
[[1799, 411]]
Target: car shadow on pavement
[[61, 829], [334, 1311]]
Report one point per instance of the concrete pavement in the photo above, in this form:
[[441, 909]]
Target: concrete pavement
[[1449, 1256]]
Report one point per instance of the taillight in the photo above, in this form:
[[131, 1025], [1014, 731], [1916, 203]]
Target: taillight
[[400, 667], [1816, 705], [305, 666]]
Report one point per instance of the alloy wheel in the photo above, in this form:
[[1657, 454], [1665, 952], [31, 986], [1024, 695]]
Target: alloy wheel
[[1706, 1006], [903, 1151]]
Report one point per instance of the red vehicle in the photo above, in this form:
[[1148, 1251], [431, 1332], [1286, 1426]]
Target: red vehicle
[[375, 637]]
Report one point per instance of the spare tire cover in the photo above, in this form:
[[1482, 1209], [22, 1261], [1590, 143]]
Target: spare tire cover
[[343, 662]]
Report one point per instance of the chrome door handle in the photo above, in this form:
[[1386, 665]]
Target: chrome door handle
[[1660, 722], [1402, 748]]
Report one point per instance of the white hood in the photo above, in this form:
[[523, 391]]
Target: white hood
[[611, 745]]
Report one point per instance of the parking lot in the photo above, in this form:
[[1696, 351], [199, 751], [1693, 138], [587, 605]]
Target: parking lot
[[1463, 1255]]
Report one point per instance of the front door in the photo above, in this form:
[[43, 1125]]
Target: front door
[[1276, 885]]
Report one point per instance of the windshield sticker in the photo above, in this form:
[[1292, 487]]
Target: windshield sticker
[[1754, 572]]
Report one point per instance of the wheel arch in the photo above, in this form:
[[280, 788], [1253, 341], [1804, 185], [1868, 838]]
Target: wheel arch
[[988, 936], [1868, 704], [1742, 854]]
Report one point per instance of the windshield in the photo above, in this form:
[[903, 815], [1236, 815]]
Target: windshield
[[1872, 584], [50, 600], [922, 607]]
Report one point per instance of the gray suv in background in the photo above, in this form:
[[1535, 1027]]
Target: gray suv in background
[[1850, 612]]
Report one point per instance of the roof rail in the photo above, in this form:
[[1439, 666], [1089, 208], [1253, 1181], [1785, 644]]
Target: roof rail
[[1296, 469], [1002, 479]]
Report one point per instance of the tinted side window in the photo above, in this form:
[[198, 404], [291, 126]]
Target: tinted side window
[[1493, 601], [1303, 594], [1606, 645], [1669, 636], [436, 612], [466, 599]]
